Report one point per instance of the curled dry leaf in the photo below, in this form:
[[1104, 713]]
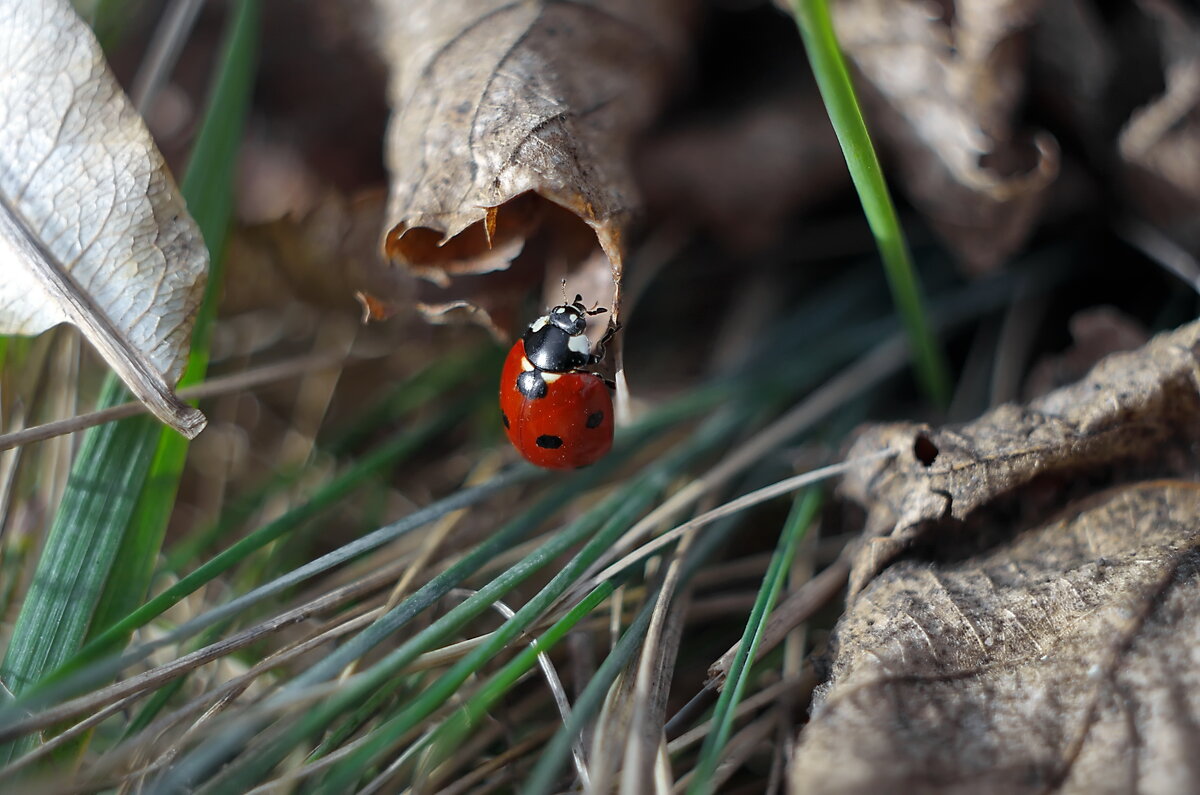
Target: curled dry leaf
[[1160, 145], [329, 257], [503, 112], [945, 90], [1129, 405], [93, 230], [1063, 661]]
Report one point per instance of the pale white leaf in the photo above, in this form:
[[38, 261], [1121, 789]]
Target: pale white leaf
[[93, 229]]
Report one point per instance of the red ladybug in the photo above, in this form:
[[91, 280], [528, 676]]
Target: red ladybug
[[557, 413]]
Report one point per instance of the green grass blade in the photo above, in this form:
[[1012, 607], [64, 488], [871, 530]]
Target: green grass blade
[[425, 386], [97, 504], [6, 344], [621, 508], [617, 512], [450, 734], [327, 496], [833, 79], [110, 20], [208, 188], [804, 510], [545, 773], [208, 181], [348, 771], [245, 772], [77, 677]]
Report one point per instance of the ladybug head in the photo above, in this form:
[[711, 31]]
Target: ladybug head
[[572, 317]]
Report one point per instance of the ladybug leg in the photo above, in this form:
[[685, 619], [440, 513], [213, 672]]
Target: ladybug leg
[[599, 348], [610, 332]]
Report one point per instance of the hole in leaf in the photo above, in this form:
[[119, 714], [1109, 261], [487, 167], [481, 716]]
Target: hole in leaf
[[925, 450]]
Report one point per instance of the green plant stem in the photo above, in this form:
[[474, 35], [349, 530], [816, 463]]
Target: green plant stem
[[541, 780], [833, 79], [78, 554]]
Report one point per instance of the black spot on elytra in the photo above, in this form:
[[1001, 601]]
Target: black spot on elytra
[[595, 418], [549, 442], [531, 384], [504, 417]]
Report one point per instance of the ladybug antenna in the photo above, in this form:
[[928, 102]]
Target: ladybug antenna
[[563, 287]]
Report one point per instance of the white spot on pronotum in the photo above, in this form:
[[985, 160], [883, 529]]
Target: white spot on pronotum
[[579, 344], [538, 324], [526, 365], [550, 378]]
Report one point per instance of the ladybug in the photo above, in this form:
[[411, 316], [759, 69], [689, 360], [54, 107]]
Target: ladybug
[[556, 412]]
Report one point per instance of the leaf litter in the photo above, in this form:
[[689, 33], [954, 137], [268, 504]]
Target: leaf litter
[[1010, 627]]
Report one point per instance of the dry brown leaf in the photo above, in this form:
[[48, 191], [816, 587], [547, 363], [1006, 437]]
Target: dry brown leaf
[[93, 230], [499, 109], [329, 257], [1064, 661], [945, 80], [1129, 405]]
